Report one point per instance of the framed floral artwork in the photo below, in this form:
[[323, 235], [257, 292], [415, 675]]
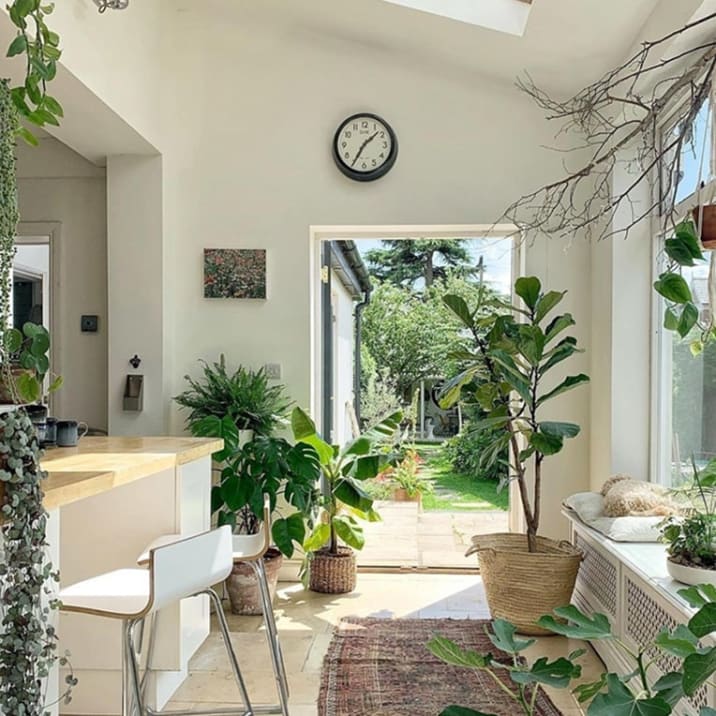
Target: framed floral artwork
[[234, 273]]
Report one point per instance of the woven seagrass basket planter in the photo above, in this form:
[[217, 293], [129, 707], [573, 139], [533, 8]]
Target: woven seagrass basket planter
[[333, 573], [521, 586]]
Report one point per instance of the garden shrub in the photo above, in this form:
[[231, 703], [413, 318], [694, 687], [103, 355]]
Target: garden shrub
[[469, 455]]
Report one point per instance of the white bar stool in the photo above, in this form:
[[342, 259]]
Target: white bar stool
[[250, 549], [132, 594]]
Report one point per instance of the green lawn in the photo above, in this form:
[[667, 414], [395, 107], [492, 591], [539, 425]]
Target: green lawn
[[453, 491]]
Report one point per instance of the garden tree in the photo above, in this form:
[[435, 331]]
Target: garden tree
[[404, 262], [409, 336]]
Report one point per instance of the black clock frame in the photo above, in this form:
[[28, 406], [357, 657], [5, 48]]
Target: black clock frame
[[384, 168]]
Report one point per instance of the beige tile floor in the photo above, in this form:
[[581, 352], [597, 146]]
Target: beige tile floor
[[408, 537], [306, 620]]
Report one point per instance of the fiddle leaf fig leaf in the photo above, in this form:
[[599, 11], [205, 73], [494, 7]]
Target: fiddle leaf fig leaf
[[528, 289], [459, 307]]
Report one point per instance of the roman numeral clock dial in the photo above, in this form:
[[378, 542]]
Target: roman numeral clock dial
[[365, 147]]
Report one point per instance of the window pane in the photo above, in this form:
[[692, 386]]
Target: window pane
[[696, 155], [693, 382]]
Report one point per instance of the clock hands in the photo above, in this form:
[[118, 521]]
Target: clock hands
[[363, 146]]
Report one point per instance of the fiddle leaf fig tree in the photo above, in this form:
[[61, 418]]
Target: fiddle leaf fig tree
[[509, 370]]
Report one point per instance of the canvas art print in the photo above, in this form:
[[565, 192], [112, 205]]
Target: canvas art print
[[234, 273]]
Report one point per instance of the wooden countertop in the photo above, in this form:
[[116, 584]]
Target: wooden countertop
[[99, 464]]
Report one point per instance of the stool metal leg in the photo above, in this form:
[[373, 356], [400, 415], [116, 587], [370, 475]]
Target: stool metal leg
[[134, 694], [272, 636]]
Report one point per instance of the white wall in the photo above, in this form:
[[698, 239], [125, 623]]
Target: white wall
[[57, 186], [256, 171]]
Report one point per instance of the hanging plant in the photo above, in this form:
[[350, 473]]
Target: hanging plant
[[28, 640]]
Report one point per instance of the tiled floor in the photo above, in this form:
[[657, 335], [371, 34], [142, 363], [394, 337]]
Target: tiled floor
[[306, 620], [408, 537]]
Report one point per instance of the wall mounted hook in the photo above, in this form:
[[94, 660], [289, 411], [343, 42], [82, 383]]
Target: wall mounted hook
[[135, 361]]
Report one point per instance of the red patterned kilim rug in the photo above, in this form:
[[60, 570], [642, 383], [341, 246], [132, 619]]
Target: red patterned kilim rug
[[381, 667]]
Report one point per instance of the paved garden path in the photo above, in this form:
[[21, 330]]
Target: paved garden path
[[408, 537]]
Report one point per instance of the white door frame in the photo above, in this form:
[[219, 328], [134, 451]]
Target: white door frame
[[320, 233]]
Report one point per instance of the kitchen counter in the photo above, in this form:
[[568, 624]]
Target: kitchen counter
[[99, 464]]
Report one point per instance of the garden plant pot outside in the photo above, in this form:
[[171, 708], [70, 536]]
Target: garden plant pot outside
[[522, 586], [243, 587], [400, 494], [690, 575], [333, 573]]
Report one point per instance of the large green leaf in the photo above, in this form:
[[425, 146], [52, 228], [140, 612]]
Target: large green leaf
[[566, 348], [28, 387], [349, 531], [670, 687], [528, 289], [699, 595], [687, 234], [557, 325], [557, 673], [671, 320], [304, 430], [587, 691], [237, 491], [512, 374], [562, 430], [462, 711], [367, 466], [620, 701], [579, 625], [687, 319], [451, 653], [452, 389], [703, 622], [503, 637], [460, 308], [385, 428], [12, 339], [673, 287], [681, 642], [547, 302], [318, 538], [698, 669], [286, 531], [545, 443], [530, 343], [359, 446], [568, 383], [347, 490]]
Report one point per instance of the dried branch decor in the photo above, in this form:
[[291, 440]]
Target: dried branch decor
[[619, 114]]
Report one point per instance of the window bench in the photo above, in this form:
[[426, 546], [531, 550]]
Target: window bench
[[629, 583]]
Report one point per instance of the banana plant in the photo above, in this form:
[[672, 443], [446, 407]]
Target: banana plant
[[344, 501], [639, 691], [508, 370]]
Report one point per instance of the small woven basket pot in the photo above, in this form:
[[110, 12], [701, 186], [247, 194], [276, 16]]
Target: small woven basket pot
[[522, 586], [333, 573]]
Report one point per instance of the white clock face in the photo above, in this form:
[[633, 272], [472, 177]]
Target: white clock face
[[363, 144]]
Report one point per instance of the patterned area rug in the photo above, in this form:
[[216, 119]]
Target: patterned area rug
[[380, 667]]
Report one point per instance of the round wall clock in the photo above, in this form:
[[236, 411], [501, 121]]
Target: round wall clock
[[365, 147]]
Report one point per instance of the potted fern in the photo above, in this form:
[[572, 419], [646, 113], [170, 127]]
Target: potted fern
[[507, 364]]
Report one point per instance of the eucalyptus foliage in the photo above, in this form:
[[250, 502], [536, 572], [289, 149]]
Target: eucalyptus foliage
[[638, 691], [344, 500], [28, 641], [507, 370]]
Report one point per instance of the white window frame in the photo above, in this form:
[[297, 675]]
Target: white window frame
[[662, 340]]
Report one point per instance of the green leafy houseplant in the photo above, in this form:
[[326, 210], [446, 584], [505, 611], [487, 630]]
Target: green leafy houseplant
[[691, 540], [344, 501], [640, 691], [681, 313], [268, 466], [245, 396], [29, 350], [506, 367]]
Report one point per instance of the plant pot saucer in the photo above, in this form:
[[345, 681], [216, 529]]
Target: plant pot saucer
[[690, 575]]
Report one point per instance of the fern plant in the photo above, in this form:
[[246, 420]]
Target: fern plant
[[244, 395]]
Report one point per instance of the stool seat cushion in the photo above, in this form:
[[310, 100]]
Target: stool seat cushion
[[120, 594]]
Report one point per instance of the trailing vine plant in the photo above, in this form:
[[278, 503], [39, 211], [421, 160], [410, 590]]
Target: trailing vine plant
[[28, 639]]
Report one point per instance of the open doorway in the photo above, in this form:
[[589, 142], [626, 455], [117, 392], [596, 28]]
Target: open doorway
[[382, 340]]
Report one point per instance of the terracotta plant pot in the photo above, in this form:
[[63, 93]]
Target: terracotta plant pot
[[243, 588], [400, 494], [707, 230], [333, 573]]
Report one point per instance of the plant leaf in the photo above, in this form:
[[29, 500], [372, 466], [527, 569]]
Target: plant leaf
[[703, 622], [673, 287], [451, 653], [459, 307], [681, 642], [349, 531], [546, 303], [698, 669], [318, 538], [462, 711], [579, 625], [528, 289], [620, 701], [503, 637], [286, 531], [568, 383], [557, 673]]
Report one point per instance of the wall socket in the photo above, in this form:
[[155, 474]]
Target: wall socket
[[273, 370]]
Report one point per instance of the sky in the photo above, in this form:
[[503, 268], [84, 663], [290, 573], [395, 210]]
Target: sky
[[496, 253]]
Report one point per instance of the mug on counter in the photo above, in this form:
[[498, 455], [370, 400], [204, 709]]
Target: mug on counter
[[69, 432]]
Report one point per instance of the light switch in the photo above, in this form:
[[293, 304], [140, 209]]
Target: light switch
[[273, 370]]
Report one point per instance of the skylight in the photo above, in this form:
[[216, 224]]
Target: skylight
[[508, 16]]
